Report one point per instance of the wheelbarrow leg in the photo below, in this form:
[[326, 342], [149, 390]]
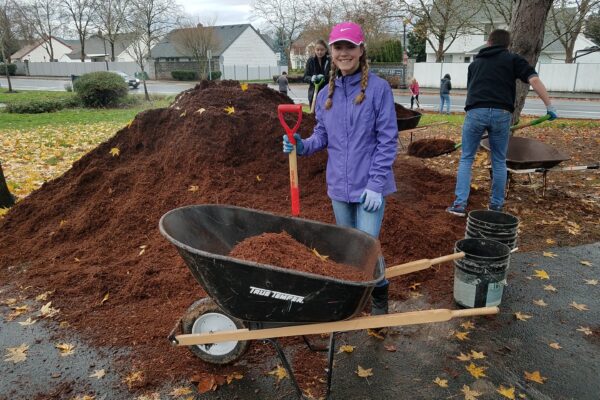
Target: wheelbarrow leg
[[330, 363], [286, 365]]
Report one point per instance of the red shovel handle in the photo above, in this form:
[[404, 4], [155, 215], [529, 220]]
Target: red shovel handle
[[282, 109]]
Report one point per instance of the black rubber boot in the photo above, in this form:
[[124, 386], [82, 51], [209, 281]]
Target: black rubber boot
[[379, 300]]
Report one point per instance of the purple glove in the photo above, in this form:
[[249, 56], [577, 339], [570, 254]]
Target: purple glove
[[371, 200]]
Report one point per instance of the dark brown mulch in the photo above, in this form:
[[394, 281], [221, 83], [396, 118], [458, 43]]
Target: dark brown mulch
[[281, 250], [427, 148]]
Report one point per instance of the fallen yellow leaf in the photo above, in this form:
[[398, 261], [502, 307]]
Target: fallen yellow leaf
[[441, 382], [364, 372], [586, 330], [555, 346], [470, 394], [540, 303], [182, 114], [43, 296], [586, 263], [232, 376], [414, 286], [464, 357], [521, 316], [549, 254], [540, 273], [47, 311], [16, 354], [591, 281], [104, 299], [66, 349], [580, 307], [27, 322], [316, 253], [115, 151], [477, 355], [376, 333], [229, 110], [509, 393], [476, 371], [193, 188], [346, 349], [468, 325], [550, 241], [180, 391], [98, 374], [200, 110], [550, 288], [390, 347], [535, 376], [244, 86], [133, 378], [462, 335], [279, 372], [258, 178]]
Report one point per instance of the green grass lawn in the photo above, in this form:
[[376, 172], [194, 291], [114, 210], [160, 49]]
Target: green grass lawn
[[72, 116]]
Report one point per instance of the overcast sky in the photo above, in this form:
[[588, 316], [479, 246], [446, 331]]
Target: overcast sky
[[227, 12]]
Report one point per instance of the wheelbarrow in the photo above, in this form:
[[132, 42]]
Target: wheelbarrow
[[252, 301], [527, 155]]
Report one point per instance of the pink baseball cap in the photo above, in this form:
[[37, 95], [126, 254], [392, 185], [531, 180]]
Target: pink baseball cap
[[347, 31]]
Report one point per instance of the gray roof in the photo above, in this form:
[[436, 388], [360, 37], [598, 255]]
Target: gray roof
[[225, 36], [95, 45]]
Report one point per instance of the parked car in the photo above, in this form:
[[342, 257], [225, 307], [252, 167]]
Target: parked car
[[132, 82]]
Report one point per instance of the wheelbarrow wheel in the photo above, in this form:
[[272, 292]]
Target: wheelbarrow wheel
[[205, 316]]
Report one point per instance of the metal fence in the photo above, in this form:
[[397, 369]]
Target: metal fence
[[73, 68]]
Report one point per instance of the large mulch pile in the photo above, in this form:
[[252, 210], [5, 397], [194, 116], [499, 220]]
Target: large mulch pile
[[282, 250], [94, 230]]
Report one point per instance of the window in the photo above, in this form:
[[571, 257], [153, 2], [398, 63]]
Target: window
[[467, 59], [447, 58]]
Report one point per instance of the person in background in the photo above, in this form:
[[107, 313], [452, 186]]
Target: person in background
[[282, 81], [414, 92], [491, 92], [317, 69], [356, 123], [445, 88]]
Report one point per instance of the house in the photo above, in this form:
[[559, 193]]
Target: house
[[236, 45], [37, 51], [97, 48], [468, 44]]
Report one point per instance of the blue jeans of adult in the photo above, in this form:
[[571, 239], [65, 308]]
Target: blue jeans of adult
[[445, 100], [353, 215], [497, 123]]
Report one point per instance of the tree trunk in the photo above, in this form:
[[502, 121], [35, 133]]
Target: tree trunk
[[6, 198], [527, 31]]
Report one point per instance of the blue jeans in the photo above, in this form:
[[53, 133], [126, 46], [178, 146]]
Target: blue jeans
[[445, 99], [353, 215], [497, 124]]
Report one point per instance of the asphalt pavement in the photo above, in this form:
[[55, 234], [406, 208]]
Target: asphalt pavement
[[569, 105], [547, 329]]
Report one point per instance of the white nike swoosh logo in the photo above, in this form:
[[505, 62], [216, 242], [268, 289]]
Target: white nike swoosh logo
[[344, 29]]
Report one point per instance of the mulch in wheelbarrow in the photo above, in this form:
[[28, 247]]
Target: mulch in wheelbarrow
[[91, 235], [281, 250]]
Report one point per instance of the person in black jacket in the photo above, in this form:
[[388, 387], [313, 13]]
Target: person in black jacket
[[317, 69], [491, 92], [445, 88]]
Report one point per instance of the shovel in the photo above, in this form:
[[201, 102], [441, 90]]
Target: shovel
[[314, 99], [282, 109]]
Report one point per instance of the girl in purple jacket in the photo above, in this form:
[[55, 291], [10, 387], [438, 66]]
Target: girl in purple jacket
[[356, 123]]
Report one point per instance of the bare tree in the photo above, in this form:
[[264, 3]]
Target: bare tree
[[111, 21], [445, 21], [527, 30], [287, 17], [150, 21], [7, 36], [566, 21], [196, 39], [82, 13], [46, 19], [497, 12]]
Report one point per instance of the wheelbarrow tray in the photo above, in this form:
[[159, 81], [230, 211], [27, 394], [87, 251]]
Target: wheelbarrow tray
[[526, 153], [205, 234], [407, 119]]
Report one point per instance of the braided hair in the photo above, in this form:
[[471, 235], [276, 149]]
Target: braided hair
[[363, 64]]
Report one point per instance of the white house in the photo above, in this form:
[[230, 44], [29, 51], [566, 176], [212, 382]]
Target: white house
[[97, 48], [467, 45], [37, 52]]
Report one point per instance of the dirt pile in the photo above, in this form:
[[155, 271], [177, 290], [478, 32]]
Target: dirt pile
[[93, 231], [427, 148], [281, 250]]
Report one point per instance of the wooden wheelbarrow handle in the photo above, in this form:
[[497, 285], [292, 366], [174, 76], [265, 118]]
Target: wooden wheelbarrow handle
[[419, 265], [378, 321]]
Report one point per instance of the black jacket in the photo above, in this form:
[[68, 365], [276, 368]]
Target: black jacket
[[314, 68], [491, 78]]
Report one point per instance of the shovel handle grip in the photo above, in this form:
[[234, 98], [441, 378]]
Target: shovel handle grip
[[283, 109], [534, 122]]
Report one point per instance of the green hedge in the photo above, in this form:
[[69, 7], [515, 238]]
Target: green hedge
[[185, 75], [100, 89], [12, 69], [42, 106], [291, 78], [215, 75]]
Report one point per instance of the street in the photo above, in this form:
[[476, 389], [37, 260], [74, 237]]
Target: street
[[567, 107]]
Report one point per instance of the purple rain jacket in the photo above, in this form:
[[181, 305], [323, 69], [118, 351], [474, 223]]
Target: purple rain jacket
[[361, 139]]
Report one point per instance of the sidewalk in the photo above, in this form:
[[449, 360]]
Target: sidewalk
[[463, 92]]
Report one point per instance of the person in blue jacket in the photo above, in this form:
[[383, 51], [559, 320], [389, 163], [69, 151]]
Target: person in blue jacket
[[356, 123]]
